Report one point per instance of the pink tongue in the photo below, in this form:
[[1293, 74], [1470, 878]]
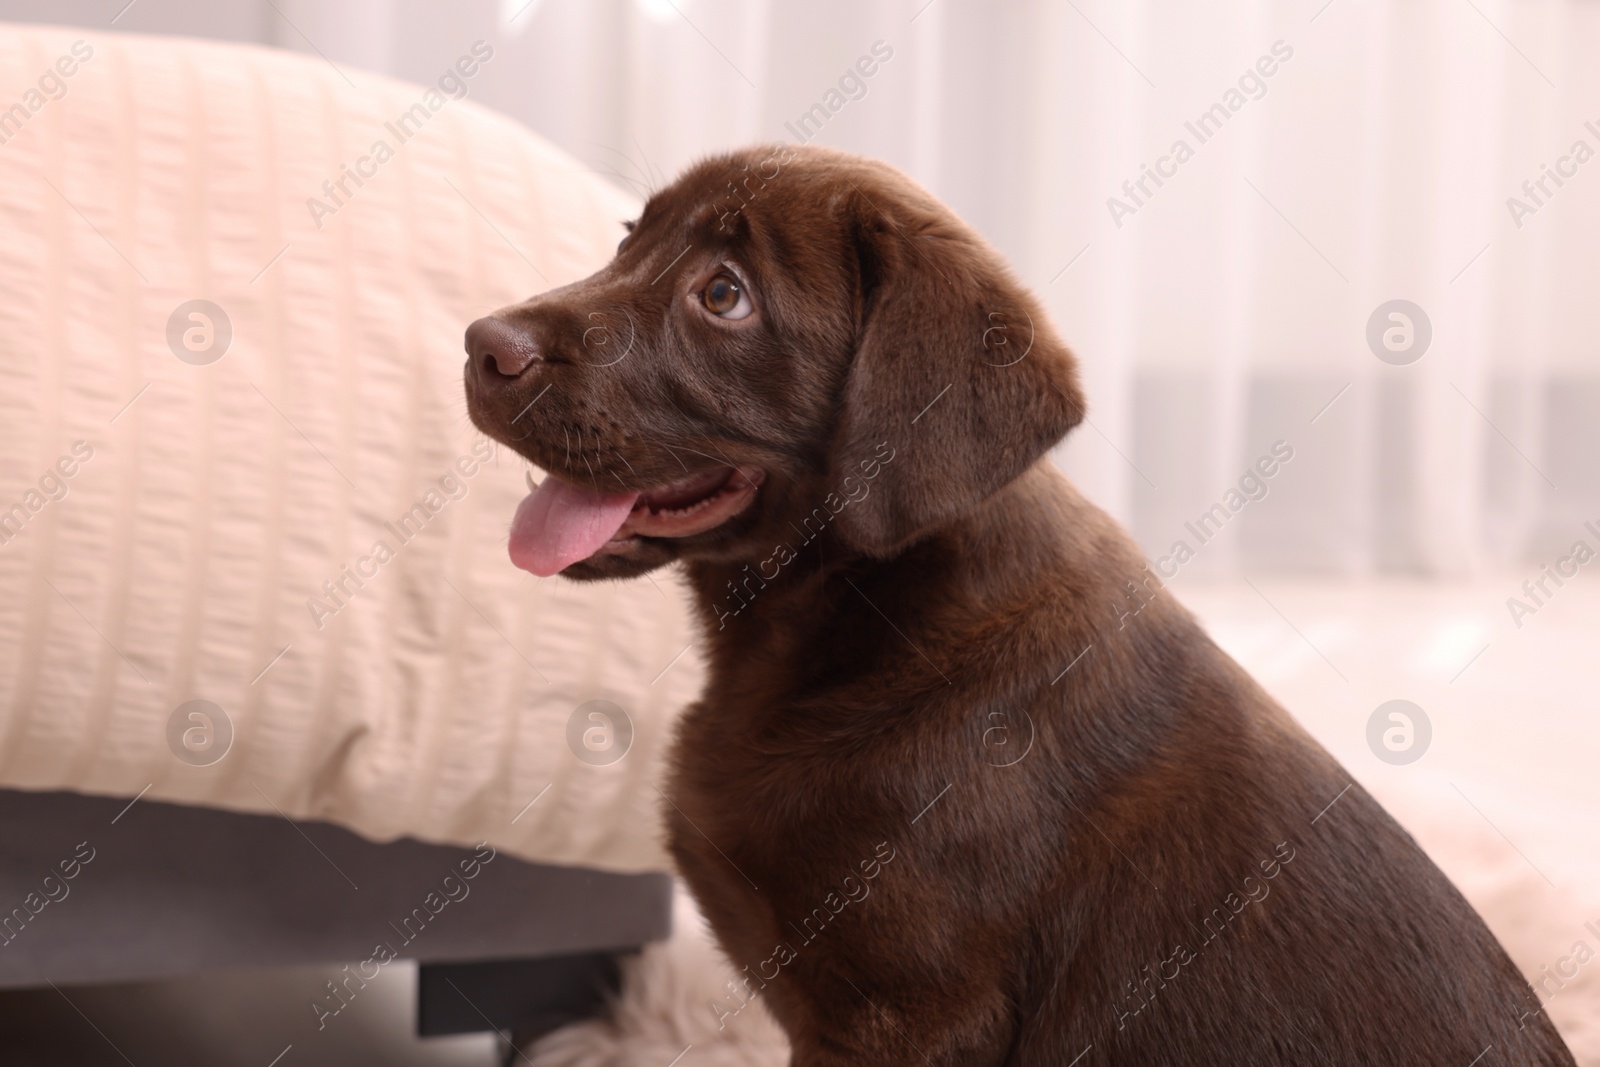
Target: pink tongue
[[559, 524]]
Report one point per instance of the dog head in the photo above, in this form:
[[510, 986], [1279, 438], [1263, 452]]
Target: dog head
[[790, 340]]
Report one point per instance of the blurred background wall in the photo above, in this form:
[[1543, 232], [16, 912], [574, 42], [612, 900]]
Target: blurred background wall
[[1340, 155]]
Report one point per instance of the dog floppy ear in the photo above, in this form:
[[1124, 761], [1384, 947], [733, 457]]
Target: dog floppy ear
[[958, 384]]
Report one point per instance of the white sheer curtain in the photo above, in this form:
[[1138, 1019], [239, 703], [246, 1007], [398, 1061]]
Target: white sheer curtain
[[1229, 309]]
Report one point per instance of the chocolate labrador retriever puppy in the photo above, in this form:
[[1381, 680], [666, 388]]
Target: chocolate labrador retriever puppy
[[965, 786]]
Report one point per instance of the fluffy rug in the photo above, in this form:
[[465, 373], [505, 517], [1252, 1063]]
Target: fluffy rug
[[668, 1013]]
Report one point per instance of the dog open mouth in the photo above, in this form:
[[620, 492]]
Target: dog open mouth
[[561, 523]]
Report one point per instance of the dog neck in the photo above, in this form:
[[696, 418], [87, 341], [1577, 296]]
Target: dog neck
[[821, 602]]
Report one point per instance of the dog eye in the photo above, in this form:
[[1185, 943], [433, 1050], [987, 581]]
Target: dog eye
[[724, 297]]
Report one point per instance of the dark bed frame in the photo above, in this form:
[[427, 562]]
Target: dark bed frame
[[173, 890]]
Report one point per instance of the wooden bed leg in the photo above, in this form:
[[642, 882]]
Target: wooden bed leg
[[517, 1048], [522, 999]]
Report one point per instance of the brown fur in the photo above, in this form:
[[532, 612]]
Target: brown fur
[[1172, 873]]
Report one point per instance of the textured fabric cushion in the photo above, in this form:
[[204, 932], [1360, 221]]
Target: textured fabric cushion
[[210, 499]]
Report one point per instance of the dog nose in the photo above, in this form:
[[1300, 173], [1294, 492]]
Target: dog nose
[[499, 349]]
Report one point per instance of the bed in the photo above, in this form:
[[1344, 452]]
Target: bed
[[252, 553]]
